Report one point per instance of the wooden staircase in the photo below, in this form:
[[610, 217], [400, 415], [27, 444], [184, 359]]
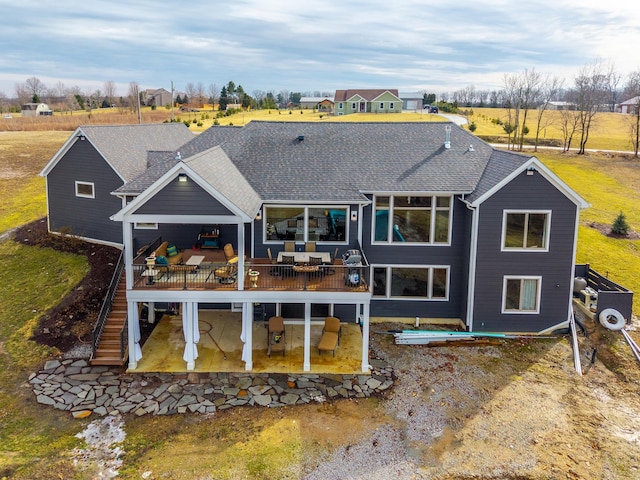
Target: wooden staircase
[[108, 350]]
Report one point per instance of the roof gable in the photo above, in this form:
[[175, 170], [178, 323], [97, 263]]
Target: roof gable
[[368, 95]]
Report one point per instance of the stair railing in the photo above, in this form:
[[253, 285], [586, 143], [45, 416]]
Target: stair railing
[[107, 305]]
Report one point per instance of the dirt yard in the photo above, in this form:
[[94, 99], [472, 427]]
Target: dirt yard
[[516, 410]]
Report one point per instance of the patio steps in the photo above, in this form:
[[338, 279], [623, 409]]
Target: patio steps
[[108, 350]]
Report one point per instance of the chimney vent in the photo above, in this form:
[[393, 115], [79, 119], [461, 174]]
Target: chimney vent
[[178, 156], [300, 138], [447, 137]]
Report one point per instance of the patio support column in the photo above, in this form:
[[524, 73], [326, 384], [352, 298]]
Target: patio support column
[[133, 331], [247, 336], [241, 256], [306, 366], [151, 312], [191, 333], [365, 337]]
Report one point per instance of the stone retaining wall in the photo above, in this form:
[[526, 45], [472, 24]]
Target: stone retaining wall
[[74, 386]]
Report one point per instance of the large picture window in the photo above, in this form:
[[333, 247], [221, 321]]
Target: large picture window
[[415, 219], [526, 230], [426, 283], [306, 224], [521, 295]]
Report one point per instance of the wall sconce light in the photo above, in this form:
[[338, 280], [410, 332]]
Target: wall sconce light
[[259, 215], [81, 137], [182, 177], [354, 215], [531, 170]]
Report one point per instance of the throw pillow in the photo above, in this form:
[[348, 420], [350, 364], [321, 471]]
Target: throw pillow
[[160, 260], [172, 251]]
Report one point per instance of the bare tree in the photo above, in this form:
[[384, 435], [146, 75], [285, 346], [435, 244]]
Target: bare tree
[[632, 90], [589, 94], [35, 87], [190, 90], [200, 94], [512, 103], [214, 94], [549, 90], [110, 92], [569, 120], [134, 99], [22, 93]]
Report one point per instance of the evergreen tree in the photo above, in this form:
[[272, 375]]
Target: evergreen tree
[[620, 225]]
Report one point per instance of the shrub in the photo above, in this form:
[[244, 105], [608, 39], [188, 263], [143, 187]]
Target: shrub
[[472, 127], [620, 225]]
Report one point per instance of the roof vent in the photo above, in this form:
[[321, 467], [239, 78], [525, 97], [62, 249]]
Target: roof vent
[[300, 138], [178, 156], [447, 137], [471, 149]]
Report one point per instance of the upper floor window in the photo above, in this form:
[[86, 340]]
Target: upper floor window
[[521, 294], [340, 106], [85, 190], [414, 219], [427, 283], [526, 230], [306, 224]]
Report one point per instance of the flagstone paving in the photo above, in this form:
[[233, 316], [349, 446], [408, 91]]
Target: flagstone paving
[[75, 386]]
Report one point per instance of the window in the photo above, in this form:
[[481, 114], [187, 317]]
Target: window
[[340, 106], [526, 230], [416, 219], [85, 190], [424, 283], [313, 224], [353, 106], [145, 226], [381, 105], [521, 295], [390, 105]]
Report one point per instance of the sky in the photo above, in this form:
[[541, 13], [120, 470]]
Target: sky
[[311, 45]]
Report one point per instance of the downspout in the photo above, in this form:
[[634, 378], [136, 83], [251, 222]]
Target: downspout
[[473, 257]]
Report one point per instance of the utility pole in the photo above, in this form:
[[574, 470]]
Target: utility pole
[[172, 100], [139, 111]]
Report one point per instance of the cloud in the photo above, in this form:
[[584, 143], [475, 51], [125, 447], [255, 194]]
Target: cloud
[[315, 45]]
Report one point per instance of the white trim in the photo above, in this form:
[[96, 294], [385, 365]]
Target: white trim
[[547, 230], [506, 278], [145, 226], [84, 195], [473, 260]]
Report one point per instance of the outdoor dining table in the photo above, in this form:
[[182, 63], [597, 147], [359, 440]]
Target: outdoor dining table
[[303, 257]]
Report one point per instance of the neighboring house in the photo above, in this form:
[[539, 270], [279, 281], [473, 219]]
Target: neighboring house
[[411, 100], [157, 98], [446, 226], [367, 101], [630, 106], [36, 110], [322, 104]]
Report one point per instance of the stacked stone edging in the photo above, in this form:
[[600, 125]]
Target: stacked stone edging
[[75, 386]]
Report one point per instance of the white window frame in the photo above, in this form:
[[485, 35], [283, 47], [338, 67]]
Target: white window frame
[[340, 106], [391, 106], [354, 106], [547, 231], [429, 298], [381, 105], [432, 227], [520, 311], [145, 226], [306, 227], [84, 195]]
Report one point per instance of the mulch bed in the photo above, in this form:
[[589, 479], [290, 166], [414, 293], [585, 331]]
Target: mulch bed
[[72, 321], [605, 229]]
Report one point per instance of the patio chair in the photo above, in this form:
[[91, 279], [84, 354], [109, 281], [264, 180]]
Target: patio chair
[[229, 252], [275, 334], [330, 335], [286, 268], [310, 247], [316, 262], [289, 246], [227, 273]]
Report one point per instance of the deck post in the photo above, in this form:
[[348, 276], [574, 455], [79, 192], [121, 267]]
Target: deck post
[[247, 336], [191, 335], [365, 337], [133, 330], [306, 366]]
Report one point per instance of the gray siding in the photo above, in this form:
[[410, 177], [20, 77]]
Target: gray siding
[[183, 198], [87, 217], [453, 256], [555, 266]]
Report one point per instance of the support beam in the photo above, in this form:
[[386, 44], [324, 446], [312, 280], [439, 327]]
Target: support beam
[[306, 366], [247, 335], [365, 337], [133, 330]]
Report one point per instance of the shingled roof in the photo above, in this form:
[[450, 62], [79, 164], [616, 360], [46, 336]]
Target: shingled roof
[[126, 147], [368, 94]]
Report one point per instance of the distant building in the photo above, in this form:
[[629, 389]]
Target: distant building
[[158, 97], [630, 106], [36, 109], [411, 100], [323, 104], [367, 101], [561, 106]]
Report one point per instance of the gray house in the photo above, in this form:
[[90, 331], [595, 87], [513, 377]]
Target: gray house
[[409, 219]]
